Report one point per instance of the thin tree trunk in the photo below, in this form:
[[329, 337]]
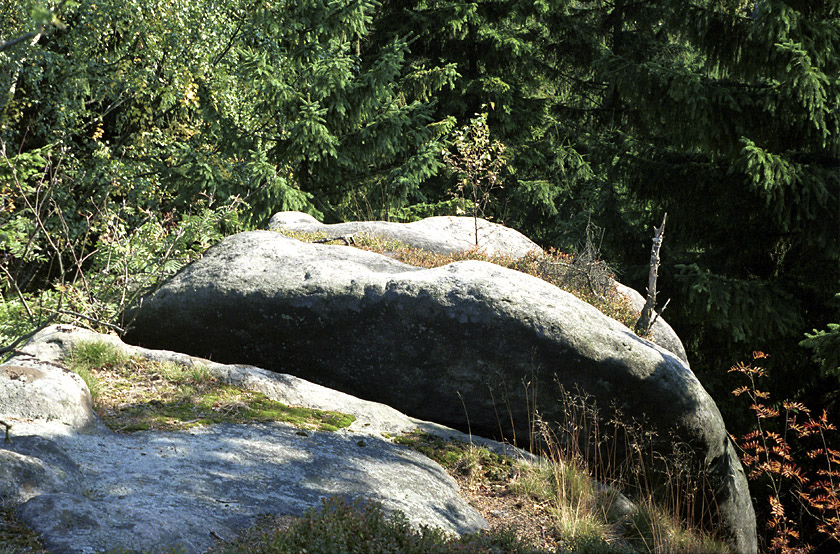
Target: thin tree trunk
[[646, 319], [16, 74]]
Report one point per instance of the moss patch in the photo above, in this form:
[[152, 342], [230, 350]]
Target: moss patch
[[17, 538], [137, 395], [472, 461]]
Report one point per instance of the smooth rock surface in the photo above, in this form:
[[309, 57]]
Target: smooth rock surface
[[662, 333], [149, 491], [441, 234], [33, 389], [470, 344], [450, 235], [51, 345]]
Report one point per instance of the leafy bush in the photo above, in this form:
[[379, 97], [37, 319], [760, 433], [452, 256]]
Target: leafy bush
[[107, 268]]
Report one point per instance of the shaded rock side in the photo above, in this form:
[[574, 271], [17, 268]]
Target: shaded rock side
[[53, 344], [441, 234], [469, 344], [31, 466]]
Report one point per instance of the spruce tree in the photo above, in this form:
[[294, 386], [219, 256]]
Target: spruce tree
[[724, 115], [720, 112], [349, 127], [498, 50]]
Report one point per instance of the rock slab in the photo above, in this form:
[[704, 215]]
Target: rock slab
[[469, 345], [150, 491], [86, 489]]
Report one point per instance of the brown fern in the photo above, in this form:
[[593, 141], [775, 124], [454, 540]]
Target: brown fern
[[767, 453]]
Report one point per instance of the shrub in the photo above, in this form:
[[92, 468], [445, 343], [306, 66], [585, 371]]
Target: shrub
[[356, 527], [801, 494], [87, 272]]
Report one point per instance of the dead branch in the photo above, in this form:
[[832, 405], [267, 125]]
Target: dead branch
[[645, 319], [347, 239], [13, 347], [111, 326]]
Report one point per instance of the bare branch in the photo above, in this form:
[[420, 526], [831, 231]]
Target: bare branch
[[13, 347], [348, 240], [645, 319], [9, 43], [111, 326], [19, 294]]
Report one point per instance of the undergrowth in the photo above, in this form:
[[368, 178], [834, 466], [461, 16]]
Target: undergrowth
[[95, 275], [583, 515], [794, 468], [132, 394], [672, 499], [356, 527], [15, 537]]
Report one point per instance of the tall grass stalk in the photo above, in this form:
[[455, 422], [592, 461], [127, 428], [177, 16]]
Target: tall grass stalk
[[586, 448]]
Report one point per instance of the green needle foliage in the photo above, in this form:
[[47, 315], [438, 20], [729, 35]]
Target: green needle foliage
[[139, 132], [723, 114], [155, 104], [720, 113]]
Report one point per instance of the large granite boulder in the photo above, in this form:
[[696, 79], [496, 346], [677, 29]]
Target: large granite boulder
[[470, 345], [83, 488], [451, 235]]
